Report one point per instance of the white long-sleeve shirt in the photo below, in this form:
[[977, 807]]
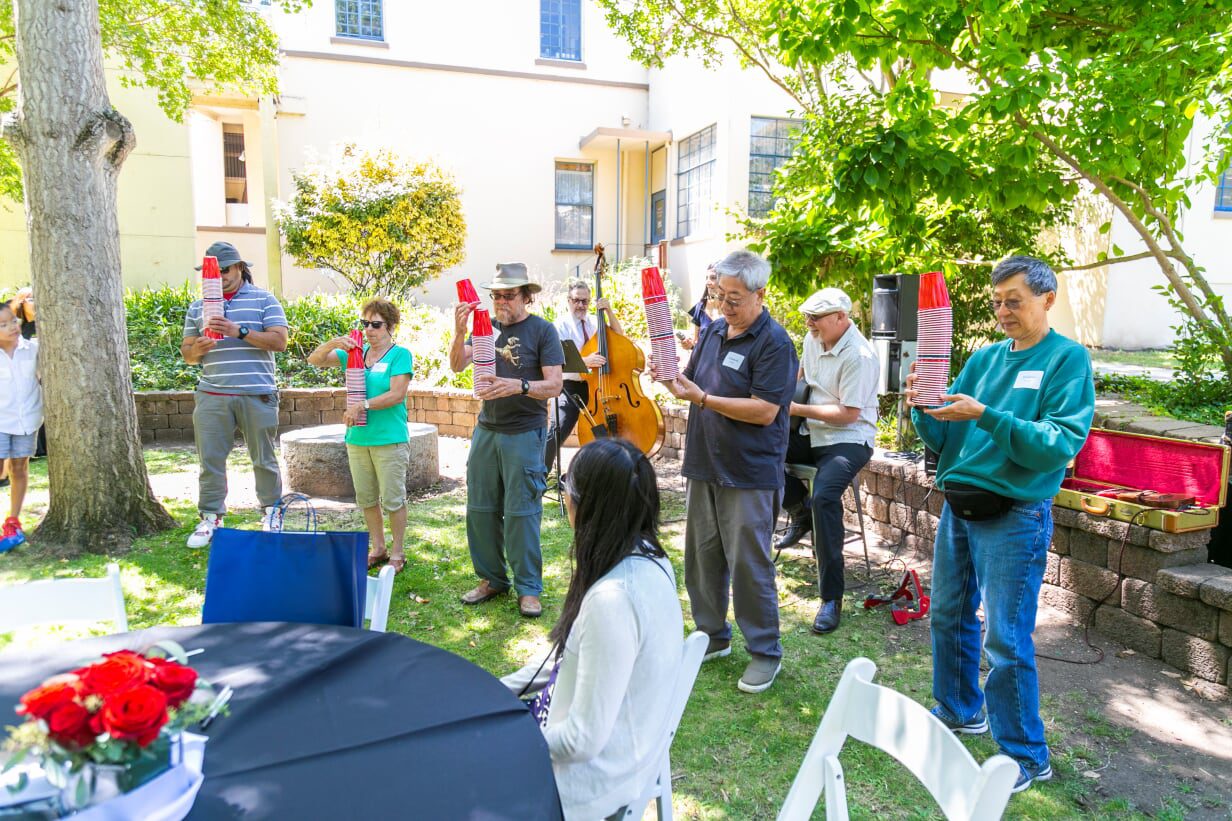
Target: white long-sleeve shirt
[[614, 688]]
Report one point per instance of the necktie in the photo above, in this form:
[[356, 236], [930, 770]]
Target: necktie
[[585, 333]]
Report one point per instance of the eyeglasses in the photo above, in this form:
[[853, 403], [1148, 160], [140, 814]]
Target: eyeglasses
[[1011, 305], [504, 296], [582, 301], [731, 303], [373, 323], [814, 317]]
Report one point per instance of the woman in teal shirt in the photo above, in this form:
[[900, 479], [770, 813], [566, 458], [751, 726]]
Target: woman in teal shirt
[[377, 451]]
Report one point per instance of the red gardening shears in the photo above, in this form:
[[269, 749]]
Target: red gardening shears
[[907, 603]]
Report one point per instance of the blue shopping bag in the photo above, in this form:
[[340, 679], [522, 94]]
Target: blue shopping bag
[[312, 576]]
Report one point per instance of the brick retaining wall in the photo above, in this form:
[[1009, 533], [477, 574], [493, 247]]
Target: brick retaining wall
[[1160, 596]]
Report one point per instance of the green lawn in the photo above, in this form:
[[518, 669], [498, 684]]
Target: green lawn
[[1143, 359], [735, 754]]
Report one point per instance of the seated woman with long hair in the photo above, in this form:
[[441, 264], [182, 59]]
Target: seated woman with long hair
[[609, 675]]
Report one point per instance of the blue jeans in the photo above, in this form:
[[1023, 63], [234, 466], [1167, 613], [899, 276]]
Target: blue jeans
[[999, 562]]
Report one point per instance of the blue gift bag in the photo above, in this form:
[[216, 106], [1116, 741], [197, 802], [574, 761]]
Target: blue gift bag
[[313, 577]]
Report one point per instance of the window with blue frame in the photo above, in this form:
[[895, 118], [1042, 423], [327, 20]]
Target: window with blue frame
[[1223, 192], [694, 180], [575, 205], [772, 141], [560, 30], [360, 18]]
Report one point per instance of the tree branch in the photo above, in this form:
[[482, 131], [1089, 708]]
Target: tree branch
[[1102, 263]]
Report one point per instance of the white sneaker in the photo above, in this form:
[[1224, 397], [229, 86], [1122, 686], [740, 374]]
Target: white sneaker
[[205, 530], [271, 522]]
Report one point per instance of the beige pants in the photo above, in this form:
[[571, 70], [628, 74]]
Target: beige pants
[[379, 474]]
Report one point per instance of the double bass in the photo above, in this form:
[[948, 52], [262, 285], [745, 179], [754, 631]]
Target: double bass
[[617, 401]]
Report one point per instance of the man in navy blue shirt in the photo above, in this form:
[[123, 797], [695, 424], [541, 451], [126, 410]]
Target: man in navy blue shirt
[[740, 380]]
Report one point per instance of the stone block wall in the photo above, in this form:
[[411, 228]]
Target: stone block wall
[[166, 416], [1151, 591]]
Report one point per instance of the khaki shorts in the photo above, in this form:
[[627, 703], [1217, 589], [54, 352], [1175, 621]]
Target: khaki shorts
[[379, 472]]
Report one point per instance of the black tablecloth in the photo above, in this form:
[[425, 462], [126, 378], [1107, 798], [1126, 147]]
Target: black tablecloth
[[335, 723]]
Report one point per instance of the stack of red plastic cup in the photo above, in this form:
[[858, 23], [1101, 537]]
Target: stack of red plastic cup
[[356, 376], [466, 292], [659, 324], [211, 295], [936, 338], [483, 347]]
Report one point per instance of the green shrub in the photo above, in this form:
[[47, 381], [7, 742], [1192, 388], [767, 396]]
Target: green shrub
[[1200, 400], [155, 319]]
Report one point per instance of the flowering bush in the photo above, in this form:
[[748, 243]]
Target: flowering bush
[[109, 712]]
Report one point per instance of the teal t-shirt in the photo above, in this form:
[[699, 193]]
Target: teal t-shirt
[[1039, 406], [386, 426]]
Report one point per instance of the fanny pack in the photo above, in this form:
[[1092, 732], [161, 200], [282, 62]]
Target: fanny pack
[[975, 504]]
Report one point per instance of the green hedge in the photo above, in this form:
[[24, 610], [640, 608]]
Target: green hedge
[[155, 319]]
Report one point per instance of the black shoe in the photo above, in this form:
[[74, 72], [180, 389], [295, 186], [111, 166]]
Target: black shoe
[[4, 482], [828, 617], [796, 530]]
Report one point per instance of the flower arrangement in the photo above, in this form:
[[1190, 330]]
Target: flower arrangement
[[120, 711]]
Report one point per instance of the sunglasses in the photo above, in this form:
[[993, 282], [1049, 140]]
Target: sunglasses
[[1011, 305], [373, 323], [509, 296]]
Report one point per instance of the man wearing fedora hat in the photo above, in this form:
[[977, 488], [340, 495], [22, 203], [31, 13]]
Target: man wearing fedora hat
[[505, 473], [836, 437], [236, 389]]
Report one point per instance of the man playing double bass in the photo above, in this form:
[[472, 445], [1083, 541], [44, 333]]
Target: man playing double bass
[[577, 325]]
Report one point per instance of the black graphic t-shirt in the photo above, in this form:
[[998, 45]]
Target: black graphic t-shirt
[[522, 351]]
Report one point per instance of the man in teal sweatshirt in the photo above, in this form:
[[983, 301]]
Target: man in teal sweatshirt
[[1014, 418]]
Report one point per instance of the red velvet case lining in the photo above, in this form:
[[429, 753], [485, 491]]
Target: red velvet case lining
[[1145, 463]]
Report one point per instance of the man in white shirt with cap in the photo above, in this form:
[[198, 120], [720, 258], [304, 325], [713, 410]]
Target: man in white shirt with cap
[[578, 325], [836, 437]]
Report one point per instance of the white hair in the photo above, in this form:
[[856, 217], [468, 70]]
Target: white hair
[[748, 267]]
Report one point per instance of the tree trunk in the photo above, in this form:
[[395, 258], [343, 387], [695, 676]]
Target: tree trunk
[[72, 143]]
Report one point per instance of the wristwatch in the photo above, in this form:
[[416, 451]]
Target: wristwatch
[[525, 387], [366, 405], [243, 332]]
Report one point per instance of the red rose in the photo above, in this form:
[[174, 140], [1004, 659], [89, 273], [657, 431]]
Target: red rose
[[69, 724], [119, 671], [49, 695], [176, 680], [136, 714]]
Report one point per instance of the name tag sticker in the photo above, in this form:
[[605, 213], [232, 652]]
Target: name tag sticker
[[733, 360], [1029, 379], [380, 367]]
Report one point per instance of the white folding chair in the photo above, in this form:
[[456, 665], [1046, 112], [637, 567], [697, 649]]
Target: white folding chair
[[906, 730], [56, 601], [376, 599], [660, 787]]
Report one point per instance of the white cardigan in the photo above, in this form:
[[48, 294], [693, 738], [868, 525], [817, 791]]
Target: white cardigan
[[614, 688]]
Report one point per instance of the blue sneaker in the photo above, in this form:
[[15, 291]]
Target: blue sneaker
[[976, 726], [1026, 779]]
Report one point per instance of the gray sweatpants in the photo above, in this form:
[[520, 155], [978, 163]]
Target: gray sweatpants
[[215, 419], [727, 542]]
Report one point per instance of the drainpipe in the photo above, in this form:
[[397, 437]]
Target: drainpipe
[[269, 173]]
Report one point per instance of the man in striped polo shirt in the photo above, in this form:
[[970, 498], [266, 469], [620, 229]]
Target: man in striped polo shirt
[[236, 389]]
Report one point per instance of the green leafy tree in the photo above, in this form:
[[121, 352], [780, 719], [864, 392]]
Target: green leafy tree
[[1065, 98], [175, 48], [382, 223]]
